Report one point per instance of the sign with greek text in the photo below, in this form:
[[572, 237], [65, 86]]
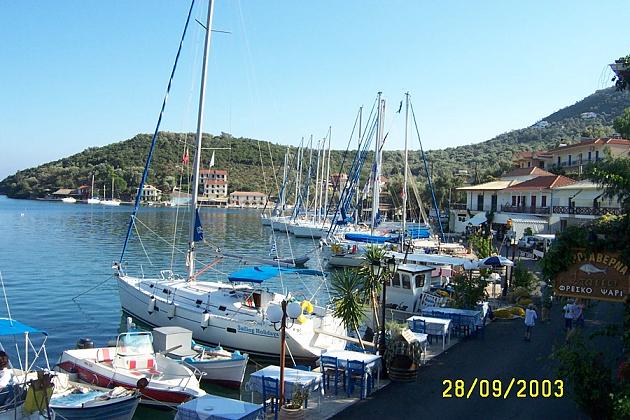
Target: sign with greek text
[[595, 275]]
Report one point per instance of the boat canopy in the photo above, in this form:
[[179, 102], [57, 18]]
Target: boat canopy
[[435, 259], [371, 239], [13, 327], [261, 273], [419, 232]]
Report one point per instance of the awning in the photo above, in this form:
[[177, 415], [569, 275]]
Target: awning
[[477, 219], [502, 218], [13, 327], [261, 273]]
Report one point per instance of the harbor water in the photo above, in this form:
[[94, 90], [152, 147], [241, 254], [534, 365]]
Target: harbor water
[[56, 261]]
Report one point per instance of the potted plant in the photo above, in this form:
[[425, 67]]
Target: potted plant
[[294, 408]]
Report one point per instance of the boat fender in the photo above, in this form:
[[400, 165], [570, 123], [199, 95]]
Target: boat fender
[[151, 305], [307, 306], [85, 343], [142, 383], [170, 313], [205, 320], [301, 319]]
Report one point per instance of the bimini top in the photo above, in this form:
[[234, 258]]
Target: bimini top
[[13, 327], [371, 239], [261, 273]]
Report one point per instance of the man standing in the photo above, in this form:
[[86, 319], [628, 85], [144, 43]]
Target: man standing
[[569, 311], [530, 321]]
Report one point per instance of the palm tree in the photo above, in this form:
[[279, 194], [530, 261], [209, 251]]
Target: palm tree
[[372, 284], [347, 296]]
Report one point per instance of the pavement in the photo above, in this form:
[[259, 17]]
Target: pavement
[[500, 354]]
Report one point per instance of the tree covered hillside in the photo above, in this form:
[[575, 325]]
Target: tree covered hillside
[[250, 162]]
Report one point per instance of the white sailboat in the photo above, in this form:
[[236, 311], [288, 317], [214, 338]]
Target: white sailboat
[[113, 201], [231, 313], [93, 199]]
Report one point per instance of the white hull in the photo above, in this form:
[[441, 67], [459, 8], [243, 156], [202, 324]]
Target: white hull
[[231, 325], [309, 231], [110, 203], [69, 200], [93, 201], [348, 260], [223, 372]]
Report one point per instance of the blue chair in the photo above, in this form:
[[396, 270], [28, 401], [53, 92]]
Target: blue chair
[[271, 391], [329, 366], [420, 326], [356, 373], [354, 347]]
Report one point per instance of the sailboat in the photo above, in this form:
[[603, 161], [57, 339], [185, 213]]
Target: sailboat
[[112, 202], [231, 311], [93, 199]]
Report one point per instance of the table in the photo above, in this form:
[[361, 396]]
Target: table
[[311, 381], [435, 326], [372, 361], [212, 407], [471, 315]]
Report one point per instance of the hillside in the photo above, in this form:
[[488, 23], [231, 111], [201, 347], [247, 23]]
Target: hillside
[[124, 161]]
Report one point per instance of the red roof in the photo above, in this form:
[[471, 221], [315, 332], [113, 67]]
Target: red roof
[[534, 170], [542, 183], [214, 182]]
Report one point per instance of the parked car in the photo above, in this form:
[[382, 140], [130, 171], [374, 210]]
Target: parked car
[[527, 243]]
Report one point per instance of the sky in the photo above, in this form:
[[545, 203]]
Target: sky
[[84, 73]]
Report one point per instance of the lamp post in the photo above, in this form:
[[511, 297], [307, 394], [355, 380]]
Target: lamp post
[[279, 315]]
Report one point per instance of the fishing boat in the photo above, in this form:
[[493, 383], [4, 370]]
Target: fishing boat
[[229, 310], [215, 364], [133, 364]]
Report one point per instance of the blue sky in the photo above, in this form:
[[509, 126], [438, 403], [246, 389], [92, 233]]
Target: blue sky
[[84, 73]]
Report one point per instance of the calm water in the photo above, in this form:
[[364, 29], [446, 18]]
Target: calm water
[[56, 261]]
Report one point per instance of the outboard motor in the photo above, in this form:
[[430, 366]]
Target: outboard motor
[[85, 343]]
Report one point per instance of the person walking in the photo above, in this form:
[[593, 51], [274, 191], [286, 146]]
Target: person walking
[[530, 321], [569, 311], [578, 314]]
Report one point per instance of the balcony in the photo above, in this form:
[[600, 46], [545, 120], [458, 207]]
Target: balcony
[[525, 209], [458, 206], [586, 211]]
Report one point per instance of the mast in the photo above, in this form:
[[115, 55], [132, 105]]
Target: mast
[[112, 188], [317, 193], [376, 188], [197, 159], [92, 191], [404, 191], [327, 175]]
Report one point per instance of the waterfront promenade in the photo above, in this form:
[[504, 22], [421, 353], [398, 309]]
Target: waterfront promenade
[[502, 354]]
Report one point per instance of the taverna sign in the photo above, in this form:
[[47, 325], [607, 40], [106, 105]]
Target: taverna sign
[[595, 275]]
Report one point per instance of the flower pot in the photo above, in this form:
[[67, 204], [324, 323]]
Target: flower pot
[[291, 413], [403, 375]]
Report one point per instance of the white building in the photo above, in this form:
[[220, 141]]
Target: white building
[[248, 199], [151, 193], [215, 184]]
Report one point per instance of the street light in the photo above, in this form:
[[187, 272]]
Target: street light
[[278, 315]]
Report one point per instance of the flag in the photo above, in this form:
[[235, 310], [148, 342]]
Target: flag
[[185, 158], [198, 237], [211, 161]]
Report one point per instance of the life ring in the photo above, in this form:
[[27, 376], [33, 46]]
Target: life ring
[[307, 306]]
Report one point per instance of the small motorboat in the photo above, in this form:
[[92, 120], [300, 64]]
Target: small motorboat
[[215, 364], [75, 401], [133, 364]]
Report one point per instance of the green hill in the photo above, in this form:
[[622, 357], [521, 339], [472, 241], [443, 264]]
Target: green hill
[[249, 162]]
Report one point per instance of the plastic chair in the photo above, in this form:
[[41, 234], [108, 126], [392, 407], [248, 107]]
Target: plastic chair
[[329, 366], [271, 391], [357, 374]]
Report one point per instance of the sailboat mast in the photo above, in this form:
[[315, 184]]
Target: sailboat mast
[[92, 191], [376, 187], [404, 191], [197, 159], [325, 181]]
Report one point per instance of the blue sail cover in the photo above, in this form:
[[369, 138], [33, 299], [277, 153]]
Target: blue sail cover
[[419, 233], [198, 237], [370, 239], [261, 273], [13, 327]]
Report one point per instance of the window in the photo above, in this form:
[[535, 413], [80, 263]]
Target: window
[[479, 202], [558, 160], [580, 158], [406, 281], [523, 201], [493, 203], [543, 201], [569, 160], [419, 281], [529, 164], [533, 201], [589, 156], [596, 155], [396, 280], [514, 200]]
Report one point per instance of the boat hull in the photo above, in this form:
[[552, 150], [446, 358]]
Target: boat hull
[[122, 408], [228, 373]]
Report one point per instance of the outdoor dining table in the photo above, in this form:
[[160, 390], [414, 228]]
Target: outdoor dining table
[[293, 378], [434, 326], [218, 408], [470, 315], [372, 361]]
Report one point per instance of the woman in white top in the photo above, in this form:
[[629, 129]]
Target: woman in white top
[[6, 376], [530, 321]]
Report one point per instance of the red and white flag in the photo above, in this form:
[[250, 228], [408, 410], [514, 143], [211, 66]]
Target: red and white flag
[[185, 158]]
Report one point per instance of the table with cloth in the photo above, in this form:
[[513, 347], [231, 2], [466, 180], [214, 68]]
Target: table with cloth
[[372, 361], [303, 379], [467, 317], [434, 326], [213, 407]]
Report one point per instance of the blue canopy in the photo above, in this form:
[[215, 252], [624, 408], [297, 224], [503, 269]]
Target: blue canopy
[[370, 239], [13, 327], [261, 273], [419, 233]]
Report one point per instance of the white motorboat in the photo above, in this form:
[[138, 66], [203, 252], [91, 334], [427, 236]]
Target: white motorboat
[[215, 364], [133, 364], [69, 200], [230, 311]]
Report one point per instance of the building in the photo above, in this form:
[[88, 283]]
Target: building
[[150, 193], [338, 180], [573, 157], [179, 198], [248, 199], [215, 186]]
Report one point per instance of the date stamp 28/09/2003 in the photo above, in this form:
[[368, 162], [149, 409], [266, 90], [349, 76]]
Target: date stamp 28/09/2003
[[498, 388]]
